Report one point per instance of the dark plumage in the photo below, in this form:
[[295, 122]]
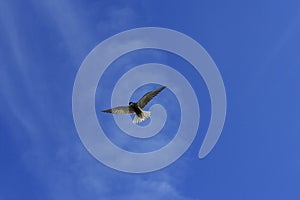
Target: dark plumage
[[136, 108]]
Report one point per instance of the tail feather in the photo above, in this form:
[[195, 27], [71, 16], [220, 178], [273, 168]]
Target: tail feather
[[139, 119]]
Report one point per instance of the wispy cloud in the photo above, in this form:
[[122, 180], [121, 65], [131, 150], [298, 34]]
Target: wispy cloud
[[117, 19], [54, 154]]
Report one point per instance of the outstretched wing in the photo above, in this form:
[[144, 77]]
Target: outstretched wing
[[148, 96], [120, 110]]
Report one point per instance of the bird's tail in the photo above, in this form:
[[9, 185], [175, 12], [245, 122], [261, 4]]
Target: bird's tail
[[144, 115]]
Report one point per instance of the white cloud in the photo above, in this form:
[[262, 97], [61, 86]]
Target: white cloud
[[117, 19], [54, 155]]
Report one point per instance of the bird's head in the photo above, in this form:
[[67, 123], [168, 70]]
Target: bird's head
[[130, 103]]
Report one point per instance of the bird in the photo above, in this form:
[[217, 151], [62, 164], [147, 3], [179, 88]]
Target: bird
[[136, 107]]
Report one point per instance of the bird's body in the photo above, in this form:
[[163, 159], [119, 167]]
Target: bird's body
[[136, 108]]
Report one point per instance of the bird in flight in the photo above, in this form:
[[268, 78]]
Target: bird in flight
[[140, 115]]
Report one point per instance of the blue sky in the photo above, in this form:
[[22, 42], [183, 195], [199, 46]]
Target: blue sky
[[256, 47]]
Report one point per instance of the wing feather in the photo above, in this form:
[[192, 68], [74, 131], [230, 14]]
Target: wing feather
[[120, 110], [148, 96]]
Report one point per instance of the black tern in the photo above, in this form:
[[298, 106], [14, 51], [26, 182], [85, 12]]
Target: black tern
[[136, 108]]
